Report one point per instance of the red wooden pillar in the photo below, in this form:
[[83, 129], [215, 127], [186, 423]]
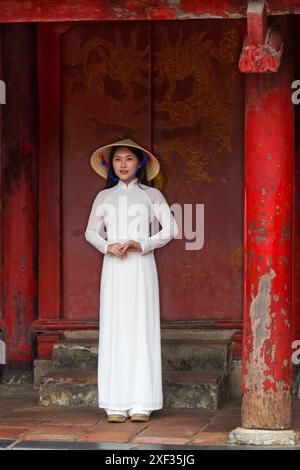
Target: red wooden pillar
[[269, 170], [19, 198]]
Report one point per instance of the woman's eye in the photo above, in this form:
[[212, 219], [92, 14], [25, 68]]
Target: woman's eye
[[117, 159]]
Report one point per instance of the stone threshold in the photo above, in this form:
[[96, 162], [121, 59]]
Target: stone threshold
[[59, 445]]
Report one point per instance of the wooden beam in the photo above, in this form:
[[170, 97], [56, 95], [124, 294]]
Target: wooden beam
[[108, 10], [263, 47], [257, 22]]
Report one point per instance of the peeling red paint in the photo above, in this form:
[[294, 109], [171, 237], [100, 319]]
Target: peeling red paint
[[263, 46], [108, 10], [268, 241]]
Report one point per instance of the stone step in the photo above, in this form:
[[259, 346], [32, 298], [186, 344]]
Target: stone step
[[192, 333], [180, 389], [68, 388], [182, 354], [18, 390], [167, 331], [79, 354], [195, 355], [195, 390]]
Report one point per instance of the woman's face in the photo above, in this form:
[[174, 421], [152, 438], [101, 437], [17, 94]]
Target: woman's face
[[125, 163]]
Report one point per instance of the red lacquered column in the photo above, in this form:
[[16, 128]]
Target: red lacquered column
[[269, 170], [19, 199]]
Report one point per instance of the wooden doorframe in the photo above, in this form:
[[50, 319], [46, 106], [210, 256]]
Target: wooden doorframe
[[51, 325], [50, 298]]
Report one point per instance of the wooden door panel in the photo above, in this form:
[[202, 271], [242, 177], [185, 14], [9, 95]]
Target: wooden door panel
[[173, 87]]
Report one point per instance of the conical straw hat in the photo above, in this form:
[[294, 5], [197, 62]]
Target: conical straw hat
[[99, 159]]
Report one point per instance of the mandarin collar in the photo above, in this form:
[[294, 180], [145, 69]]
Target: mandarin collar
[[132, 184]]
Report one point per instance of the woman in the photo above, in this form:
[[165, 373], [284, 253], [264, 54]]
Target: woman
[[129, 361]]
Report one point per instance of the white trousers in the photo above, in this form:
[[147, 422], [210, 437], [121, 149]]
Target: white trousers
[[127, 413]]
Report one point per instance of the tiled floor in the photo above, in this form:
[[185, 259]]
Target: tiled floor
[[23, 422]]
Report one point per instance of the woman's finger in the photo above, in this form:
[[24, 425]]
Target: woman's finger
[[117, 251], [124, 248]]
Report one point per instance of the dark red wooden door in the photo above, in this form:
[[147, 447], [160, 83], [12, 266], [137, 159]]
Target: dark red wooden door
[[175, 88]]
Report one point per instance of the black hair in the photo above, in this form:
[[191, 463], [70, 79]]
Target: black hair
[[141, 174]]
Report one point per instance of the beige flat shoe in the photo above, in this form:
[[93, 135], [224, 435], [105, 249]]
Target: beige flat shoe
[[116, 418], [139, 417]]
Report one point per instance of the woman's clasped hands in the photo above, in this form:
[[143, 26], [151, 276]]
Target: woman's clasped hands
[[120, 249]]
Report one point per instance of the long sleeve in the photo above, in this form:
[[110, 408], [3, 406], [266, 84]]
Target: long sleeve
[[169, 225], [94, 233]]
